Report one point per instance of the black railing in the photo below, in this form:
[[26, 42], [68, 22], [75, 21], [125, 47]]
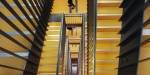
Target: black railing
[[91, 36], [76, 5], [81, 54], [131, 36], [64, 64], [61, 48], [67, 65], [22, 29]]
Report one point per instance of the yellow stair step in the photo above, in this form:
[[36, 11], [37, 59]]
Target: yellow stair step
[[48, 74], [54, 23], [53, 27], [47, 69], [53, 32], [52, 37], [51, 42], [48, 61]]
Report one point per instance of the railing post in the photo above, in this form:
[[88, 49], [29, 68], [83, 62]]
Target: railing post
[[81, 54], [91, 26], [61, 47]]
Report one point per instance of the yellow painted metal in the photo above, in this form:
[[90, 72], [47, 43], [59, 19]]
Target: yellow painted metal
[[103, 72], [108, 22], [74, 41], [144, 54], [7, 44], [108, 40], [106, 65], [143, 68], [75, 33], [47, 53], [109, 3], [11, 2], [107, 35], [108, 16], [46, 61], [73, 20], [6, 27], [52, 38], [53, 46], [6, 12], [48, 74], [51, 42], [47, 69], [13, 62], [147, 27], [54, 24], [53, 27], [74, 55], [107, 44], [109, 10], [52, 32], [6, 71], [106, 56], [108, 29], [147, 16], [146, 13]]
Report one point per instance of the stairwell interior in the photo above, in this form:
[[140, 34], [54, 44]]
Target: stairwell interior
[[97, 37]]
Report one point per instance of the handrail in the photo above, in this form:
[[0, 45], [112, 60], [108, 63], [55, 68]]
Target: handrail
[[64, 54], [81, 54], [61, 45], [91, 37], [80, 58], [67, 63], [76, 1]]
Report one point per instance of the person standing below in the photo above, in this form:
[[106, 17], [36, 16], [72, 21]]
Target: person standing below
[[71, 5]]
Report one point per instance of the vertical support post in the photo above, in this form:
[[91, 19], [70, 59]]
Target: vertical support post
[[91, 26]]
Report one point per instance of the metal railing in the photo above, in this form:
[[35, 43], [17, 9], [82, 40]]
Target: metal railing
[[61, 48], [91, 38], [67, 70], [81, 54], [132, 37], [22, 29], [64, 55], [64, 64]]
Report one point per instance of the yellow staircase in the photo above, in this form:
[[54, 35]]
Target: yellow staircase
[[108, 26], [48, 62]]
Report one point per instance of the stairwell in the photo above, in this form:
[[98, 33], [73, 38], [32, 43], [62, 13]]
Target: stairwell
[[48, 62]]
